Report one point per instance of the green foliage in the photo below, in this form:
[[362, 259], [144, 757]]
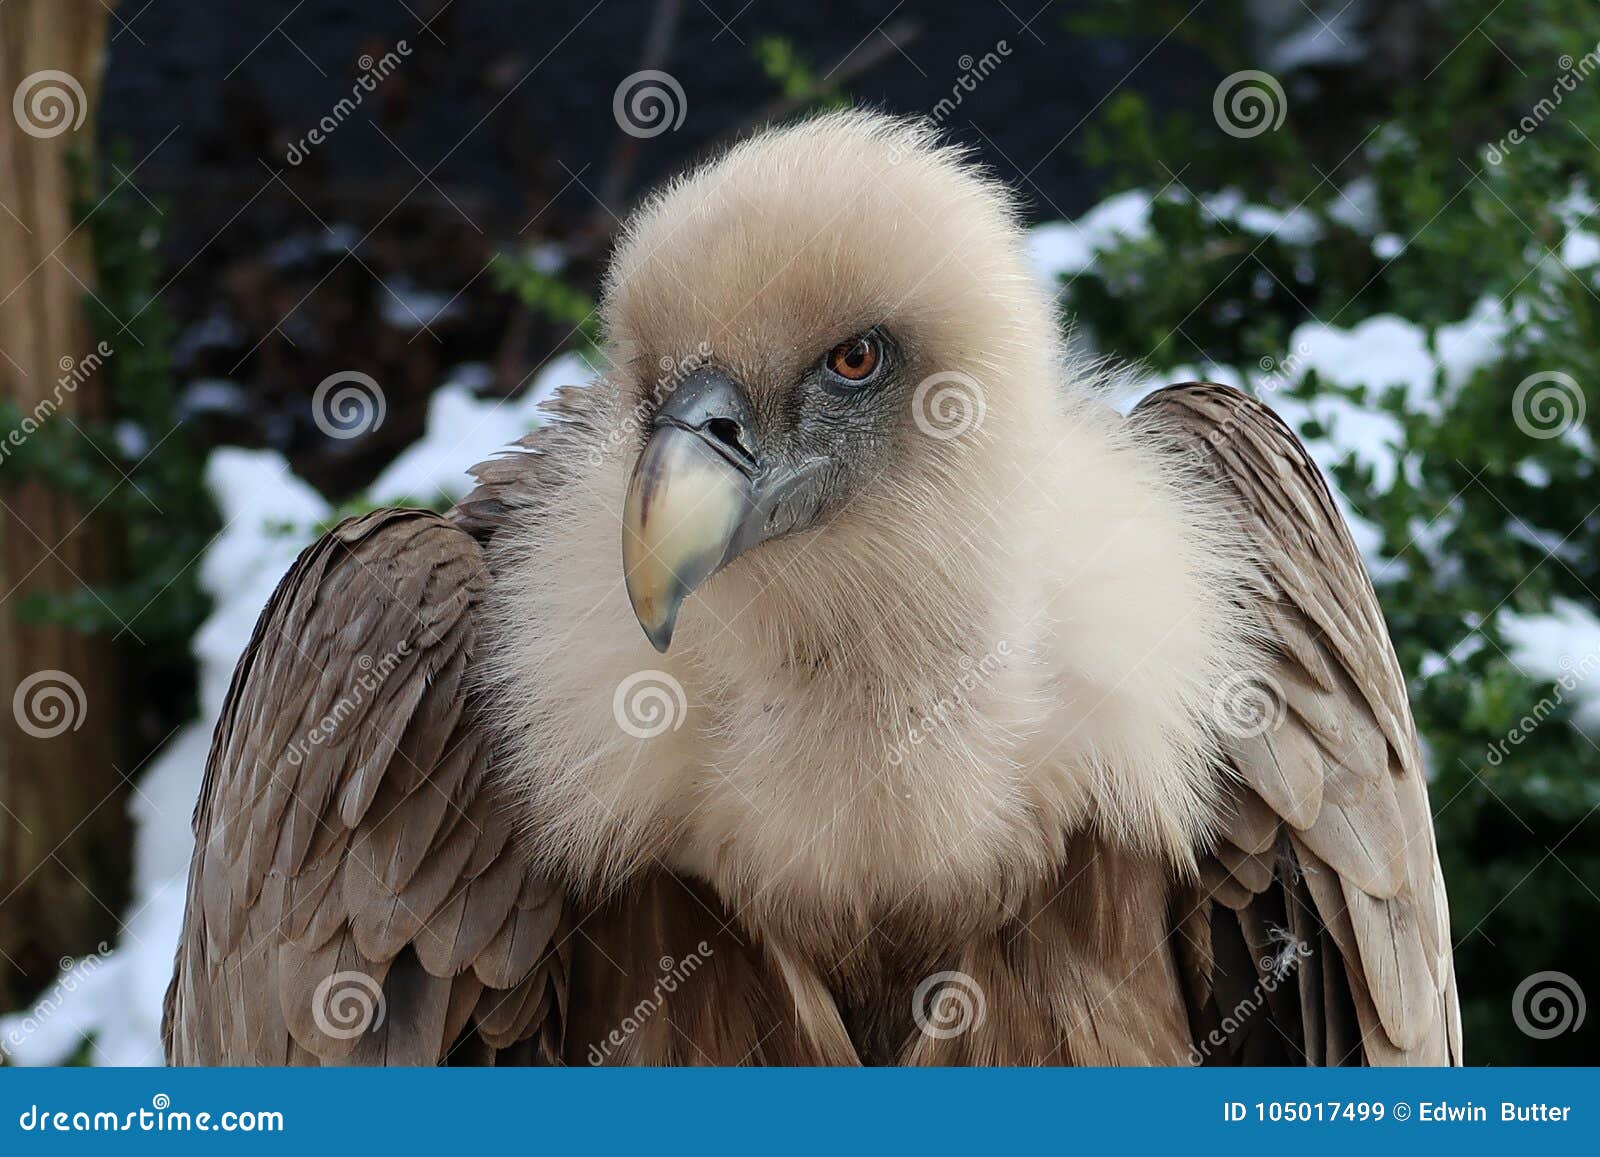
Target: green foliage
[[1478, 504], [135, 469], [548, 295], [794, 76]]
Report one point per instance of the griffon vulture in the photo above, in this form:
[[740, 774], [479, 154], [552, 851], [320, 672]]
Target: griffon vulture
[[971, 721]]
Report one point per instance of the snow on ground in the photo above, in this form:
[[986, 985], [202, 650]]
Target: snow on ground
[[1561, 645], [464, 430], [114, 997], [1321, 34], [407, 306], [1356, 206], [1380, 352], [1067, 248], [268, 515], [1580, 249]]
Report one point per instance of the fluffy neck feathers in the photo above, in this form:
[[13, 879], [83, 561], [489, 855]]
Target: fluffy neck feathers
[[906, 714]]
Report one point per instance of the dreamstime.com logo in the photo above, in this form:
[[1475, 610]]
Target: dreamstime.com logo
[[948, 405], [973, 73], [1546, 405], [649, 703], [1275, 969], [649, 103], [49, 703], [1573, 74], [975, 674], [1247, 706], [373, 73], [48, 103], [74, 372], [1280, 372], [627, 430], [159, 1117], [947, 1004], [1548, 1004], [674, 973], [1275, 374], [347, 1004], [348, 404], [1574, 673], [1249, 103], [373, 673], [21, 1026]]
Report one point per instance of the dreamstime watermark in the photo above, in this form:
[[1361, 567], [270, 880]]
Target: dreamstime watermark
[[1247, 705], [974, 71], [649, 103], [1249, 103], [649, 703], [643, 412], [49, 703], [347, 1004], [373, 673], [1548, 1004], [73, 974], [1546, 405], [975, 673], [1276, 373], [348, 404], [1573, 73], [373, 73], [947, 405], [74, 372], [1275, 969], [160, 1117], [673, 974], [48, 103], [1573, 674], [947, 1004]]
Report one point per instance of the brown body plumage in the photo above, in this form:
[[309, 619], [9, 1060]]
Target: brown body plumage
[[955, 775]]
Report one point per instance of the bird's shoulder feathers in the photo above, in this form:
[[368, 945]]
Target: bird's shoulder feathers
[[353, 896], [1327, 866]]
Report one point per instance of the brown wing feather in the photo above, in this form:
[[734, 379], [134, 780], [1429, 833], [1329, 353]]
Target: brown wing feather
[[345, 837], [1331, 843]]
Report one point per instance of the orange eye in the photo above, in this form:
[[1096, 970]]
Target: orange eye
[[856, 360]]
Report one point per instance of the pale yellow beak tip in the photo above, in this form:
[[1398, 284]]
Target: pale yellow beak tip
[[683, 508]]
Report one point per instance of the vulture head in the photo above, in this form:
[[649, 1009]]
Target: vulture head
[[886, 543], [841, 359]]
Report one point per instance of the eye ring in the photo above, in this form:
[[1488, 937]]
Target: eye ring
[[857, 360]]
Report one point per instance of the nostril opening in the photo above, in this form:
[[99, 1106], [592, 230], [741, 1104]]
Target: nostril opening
[[729, 433]]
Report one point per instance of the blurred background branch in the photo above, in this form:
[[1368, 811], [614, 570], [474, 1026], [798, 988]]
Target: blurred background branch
[[63, 831]]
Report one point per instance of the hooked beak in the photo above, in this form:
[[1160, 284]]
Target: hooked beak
[[700, 496]]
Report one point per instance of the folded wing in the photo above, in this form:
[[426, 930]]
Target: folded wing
[[353, 897], [1322, 933]]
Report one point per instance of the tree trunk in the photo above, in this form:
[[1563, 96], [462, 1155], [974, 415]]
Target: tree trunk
[[63, 828]]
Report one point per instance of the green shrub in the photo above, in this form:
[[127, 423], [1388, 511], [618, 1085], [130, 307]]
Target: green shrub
[[1481, 519]]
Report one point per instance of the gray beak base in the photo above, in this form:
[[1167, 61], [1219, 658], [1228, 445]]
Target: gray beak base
[[700, 496]]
